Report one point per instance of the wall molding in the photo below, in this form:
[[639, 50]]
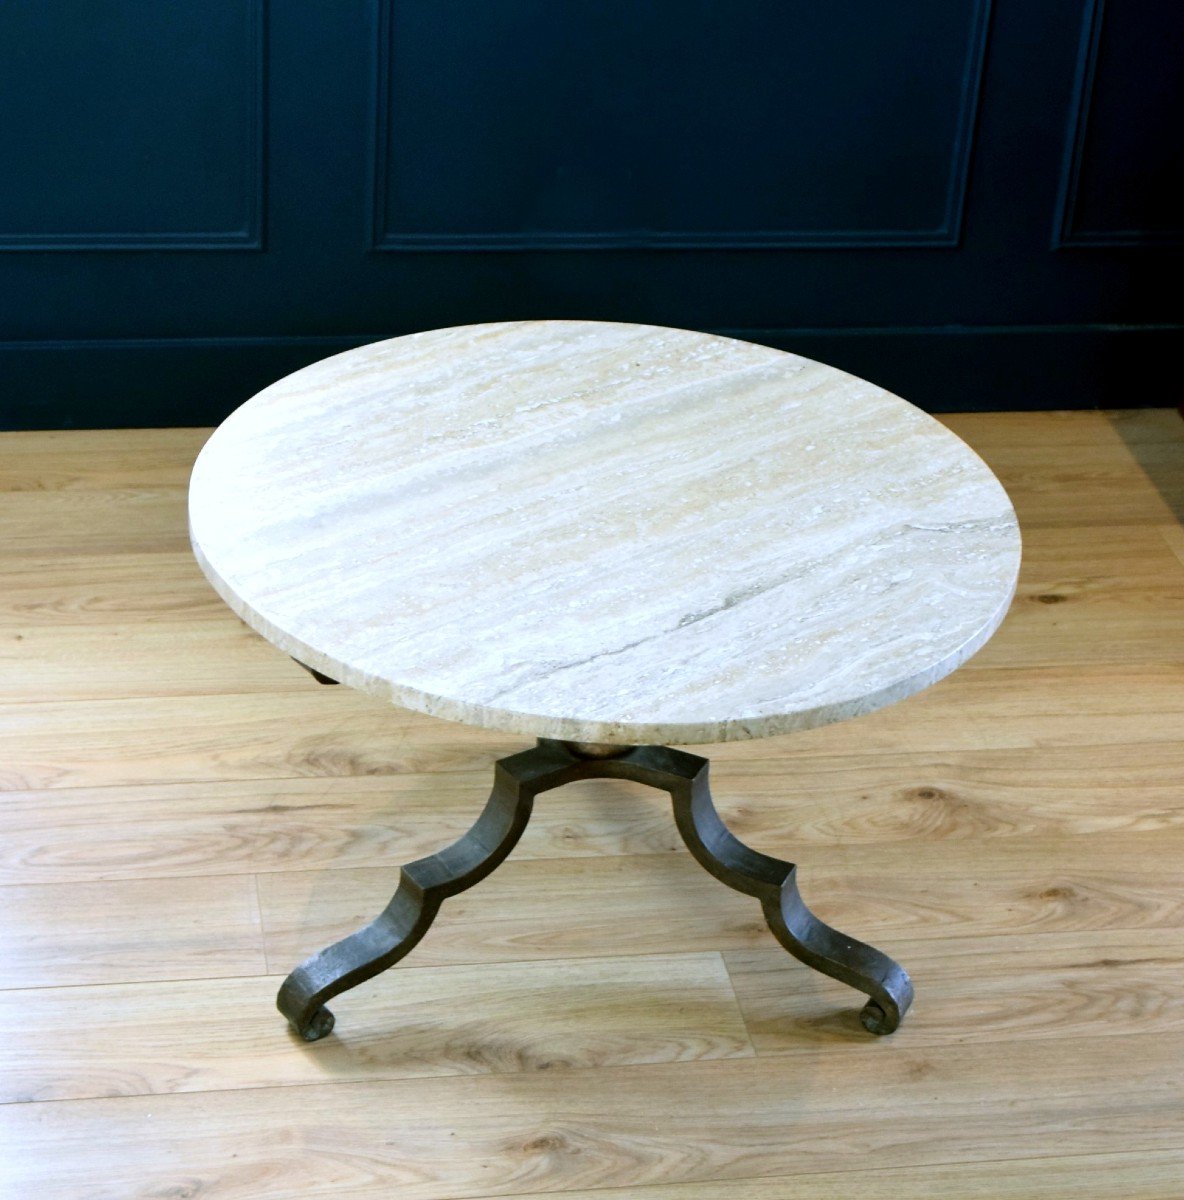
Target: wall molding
[[1067, 235], [250, 237], [751, 333], [948, 235]]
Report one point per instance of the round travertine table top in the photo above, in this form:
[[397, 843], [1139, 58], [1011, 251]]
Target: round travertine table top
[[604, 532]]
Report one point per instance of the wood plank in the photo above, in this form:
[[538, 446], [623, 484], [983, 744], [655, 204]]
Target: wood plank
[[1135, 425], [936, 797], [1098, 557], [1173, 535], [1103, 490], [1073, 430], [218, 1034], [133, 659], [1007, 988], [1070, 471], [78, 521], [130, 930], [311, 731], [1141, 1176], [83, 834], [262, 825], [1067, 432], [1006, 708], [335, 731], [666, 903], [722, 1119], [56, 591], [1092, 594], [1012, 835], [98, 459], [527, 910]]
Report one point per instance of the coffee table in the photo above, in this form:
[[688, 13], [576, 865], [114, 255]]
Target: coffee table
[[611, 537]]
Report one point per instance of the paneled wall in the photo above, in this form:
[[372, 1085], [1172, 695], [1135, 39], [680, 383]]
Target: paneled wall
[[977, 203]]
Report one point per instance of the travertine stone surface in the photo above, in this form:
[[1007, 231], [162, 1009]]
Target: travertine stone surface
[[603, 532]]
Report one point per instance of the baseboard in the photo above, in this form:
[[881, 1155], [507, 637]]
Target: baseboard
[[198, 381]]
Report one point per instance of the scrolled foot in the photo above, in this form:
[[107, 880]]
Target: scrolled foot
[[774, 883], [423, 886], [875, 1020], [319, 1025]]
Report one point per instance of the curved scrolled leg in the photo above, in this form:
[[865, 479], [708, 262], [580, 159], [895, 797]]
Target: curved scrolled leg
[[423, 886], [773, 882], [426, 883]]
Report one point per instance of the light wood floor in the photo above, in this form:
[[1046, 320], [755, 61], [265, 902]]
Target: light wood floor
[[186, 814]]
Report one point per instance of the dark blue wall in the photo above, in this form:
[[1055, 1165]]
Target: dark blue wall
[[977, 204]]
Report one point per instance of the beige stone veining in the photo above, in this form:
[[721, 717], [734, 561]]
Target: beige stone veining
[[603, 532]]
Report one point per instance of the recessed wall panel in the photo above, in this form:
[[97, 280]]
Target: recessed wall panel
[[531, 124]]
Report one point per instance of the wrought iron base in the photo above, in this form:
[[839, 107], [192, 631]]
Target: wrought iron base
[[426, 883]]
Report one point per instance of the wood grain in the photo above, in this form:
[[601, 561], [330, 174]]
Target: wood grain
[[218, 1034], [166, 738], [98, 459], [142, 659], [1083, 468], [1081, 432], [882, 890], [184, 814], [247, 825], [1173, 535], [725, 1120], [1097, 487], [1003, 988], [59, 591], [1092, 594], [1142, 1176], [78, 521], [130, 930], [87, 834]]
